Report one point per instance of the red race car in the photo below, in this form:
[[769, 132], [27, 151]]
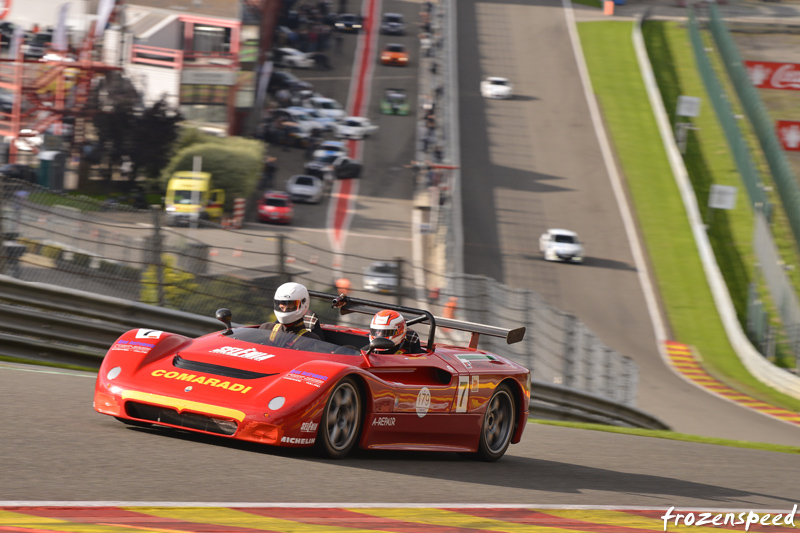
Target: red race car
[[334, 394], [275, 207]]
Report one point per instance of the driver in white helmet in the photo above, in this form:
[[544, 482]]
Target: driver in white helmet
[[293, 314], [391, 325]]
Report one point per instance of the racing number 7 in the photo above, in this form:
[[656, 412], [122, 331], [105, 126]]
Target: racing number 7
[[463, 394]]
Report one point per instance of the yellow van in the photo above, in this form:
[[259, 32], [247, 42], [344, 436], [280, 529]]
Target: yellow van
[[190, 199]]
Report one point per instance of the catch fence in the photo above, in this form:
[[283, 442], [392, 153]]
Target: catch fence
[[117, 251]]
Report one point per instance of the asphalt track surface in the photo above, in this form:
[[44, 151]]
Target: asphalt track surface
[[55, 447], [534, 162]]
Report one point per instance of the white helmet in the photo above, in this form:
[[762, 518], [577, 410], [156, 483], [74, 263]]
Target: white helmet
[[388, 325], [291, 302]]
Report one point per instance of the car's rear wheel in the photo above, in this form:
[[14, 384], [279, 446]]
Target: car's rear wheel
[[341, 420], [498, 425]]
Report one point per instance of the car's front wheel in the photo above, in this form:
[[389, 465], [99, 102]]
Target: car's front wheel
[[498, 425], [341, 420]]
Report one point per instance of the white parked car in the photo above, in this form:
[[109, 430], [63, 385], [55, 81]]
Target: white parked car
[[305, 189], [561, 245], [293, 58], [328, 123], [326, 106], [330, 148], [303, 119], [354, 128], [494, 87]]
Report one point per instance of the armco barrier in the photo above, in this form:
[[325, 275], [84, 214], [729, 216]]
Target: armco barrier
[[41, 322]]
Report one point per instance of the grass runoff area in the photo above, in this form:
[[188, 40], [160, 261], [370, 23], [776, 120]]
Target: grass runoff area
[[671, 435], [678, 271]]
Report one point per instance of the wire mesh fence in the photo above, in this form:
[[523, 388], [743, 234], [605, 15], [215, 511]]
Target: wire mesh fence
[[129, 253]]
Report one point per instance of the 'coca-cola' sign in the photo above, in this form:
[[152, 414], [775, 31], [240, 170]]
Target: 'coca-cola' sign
[[789, 134], [768, 75]]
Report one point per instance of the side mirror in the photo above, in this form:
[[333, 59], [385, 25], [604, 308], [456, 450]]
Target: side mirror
[[224, 316], [379, 343]]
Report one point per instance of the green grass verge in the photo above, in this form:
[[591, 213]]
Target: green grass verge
[[672, 436], [679, 275], [22, 361]]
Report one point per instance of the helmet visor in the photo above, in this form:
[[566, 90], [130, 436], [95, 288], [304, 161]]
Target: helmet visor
[[287, 306], [385, 333]]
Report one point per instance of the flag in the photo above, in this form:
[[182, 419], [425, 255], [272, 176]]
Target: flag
[[103, 14], [16, 42], [60, 34]]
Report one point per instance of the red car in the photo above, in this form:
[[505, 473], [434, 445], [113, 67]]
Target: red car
[[275, 207], [334, 394]]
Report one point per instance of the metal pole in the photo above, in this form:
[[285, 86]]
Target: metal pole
[[282, 258], [157, 251], [399, 284], [569, 351]]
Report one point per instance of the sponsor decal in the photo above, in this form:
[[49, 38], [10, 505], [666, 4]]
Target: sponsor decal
[[789, 134], [462, 397], [309, 378], [423, 402], [479, 359], [244, 353], [148, 334], [771, 75], [383, 421], [132, 346], [294, 440], [475, 383], [308, 427], [201, 380]]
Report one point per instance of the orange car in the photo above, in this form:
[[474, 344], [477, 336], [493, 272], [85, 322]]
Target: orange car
[[394, 54]]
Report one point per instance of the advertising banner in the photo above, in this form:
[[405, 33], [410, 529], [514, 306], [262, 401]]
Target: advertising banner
[[769, 75], [789, 133]]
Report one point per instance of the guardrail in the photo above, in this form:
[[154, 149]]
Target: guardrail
[[40, 322]]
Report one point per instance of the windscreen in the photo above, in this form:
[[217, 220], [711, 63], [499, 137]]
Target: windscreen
[[289, 341]]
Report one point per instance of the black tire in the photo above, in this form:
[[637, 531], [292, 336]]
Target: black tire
[[340, 426], [498, 425]]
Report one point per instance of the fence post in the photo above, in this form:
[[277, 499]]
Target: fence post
[[570, 341], [282, 258], [157, 254], [399, 293], [608, 374]]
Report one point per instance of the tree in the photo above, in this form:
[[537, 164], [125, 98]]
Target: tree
[[154, 133]]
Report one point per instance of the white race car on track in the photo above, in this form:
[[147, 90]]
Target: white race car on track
[[494, 87], [561, 245], [354, 128]]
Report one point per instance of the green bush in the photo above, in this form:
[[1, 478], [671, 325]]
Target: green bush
[[119, 270], [51, 251], [31, 245], [81, 260], [235, 165]]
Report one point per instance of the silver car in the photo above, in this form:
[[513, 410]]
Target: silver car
[[305, 189], [382, 276]]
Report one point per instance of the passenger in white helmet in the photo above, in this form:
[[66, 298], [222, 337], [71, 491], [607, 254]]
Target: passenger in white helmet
[[294, 316]]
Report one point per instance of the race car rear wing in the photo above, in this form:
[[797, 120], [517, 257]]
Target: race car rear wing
[[348, 304]]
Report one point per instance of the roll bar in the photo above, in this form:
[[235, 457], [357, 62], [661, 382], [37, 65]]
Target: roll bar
[[348, 304]]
